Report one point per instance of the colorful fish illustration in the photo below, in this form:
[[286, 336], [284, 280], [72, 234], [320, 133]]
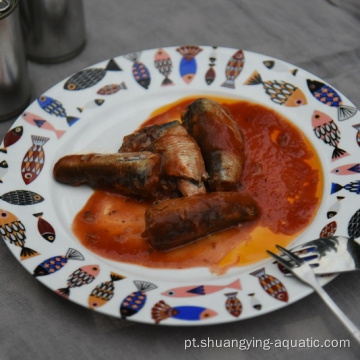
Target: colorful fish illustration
[[22, 197], [46, 230], [82, 276], [34, 160], [353, 187], [4, 167], [200, 290], [233, 304], [55, 107], [326, 129], [135, 301], [139, 70], [234, 68], [328, 96], [188, 65], [103, 292], [335, 207], [354, 225], [163, 63], [348, 169], [92, 104], [273, 286], [55, 263], [279, 66], [11, 137], [280, 92], [89, 77], [255, 303], [13, 230], [161, 311], [111, 89], [210, 74], [41, 123], [328, 230], [357, 127]]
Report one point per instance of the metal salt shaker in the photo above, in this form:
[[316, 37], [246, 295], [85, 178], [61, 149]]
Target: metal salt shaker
[[14, 77], [54, 30]]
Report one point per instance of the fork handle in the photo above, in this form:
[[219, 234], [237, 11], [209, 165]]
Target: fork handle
[[338, 312]]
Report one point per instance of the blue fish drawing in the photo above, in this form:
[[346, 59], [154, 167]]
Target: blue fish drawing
[[55, 107], [161, 311], [55, 263], [328, 96], [139, 70], [353, 187], [135, 301]]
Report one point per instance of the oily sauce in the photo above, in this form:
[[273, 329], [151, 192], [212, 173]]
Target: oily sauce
[[282, 173]]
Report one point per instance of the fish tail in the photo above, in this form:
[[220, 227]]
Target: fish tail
[[161, 311], [59, 133], [116, 277], [80, 109], [167, 82], [71, 120], [346, 112], [132, 56], [356, 127], [335, 188], [258, 273], [27, 253], [39, 140], [254, 79], [339, 153], [122, 86], [3, 150], [38, 215], [73, 254], [294, 72], [229, 83], [144, 285], [235, 285], [64, 292], [112, 66]]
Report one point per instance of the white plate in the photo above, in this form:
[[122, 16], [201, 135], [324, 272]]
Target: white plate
[[86, 120]]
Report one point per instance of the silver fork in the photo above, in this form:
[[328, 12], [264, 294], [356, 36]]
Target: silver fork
[[304, 272]]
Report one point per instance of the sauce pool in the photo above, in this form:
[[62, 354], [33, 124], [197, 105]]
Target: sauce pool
[[281, 172]]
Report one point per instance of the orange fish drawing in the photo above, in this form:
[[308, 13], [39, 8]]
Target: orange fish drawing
[[34, 160], [13, 231]]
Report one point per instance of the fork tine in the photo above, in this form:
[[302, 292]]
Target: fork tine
[[291, 255], [280, 260]]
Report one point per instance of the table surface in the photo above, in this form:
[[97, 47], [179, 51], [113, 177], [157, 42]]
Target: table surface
[[316, 35]]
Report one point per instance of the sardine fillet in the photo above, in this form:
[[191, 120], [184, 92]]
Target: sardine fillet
[[221, 142], [131, 173], [175, 222], [181, 157]]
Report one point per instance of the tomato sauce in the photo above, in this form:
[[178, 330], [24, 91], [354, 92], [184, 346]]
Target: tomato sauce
[[282, 173]]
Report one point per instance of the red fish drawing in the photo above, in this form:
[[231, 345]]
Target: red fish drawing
[[326, 129], [13, 231], [234, 68], [11, 137], [328, 230], [200, 290], [233, 304], [82, 276], [163, 63], [41, 123], [273, 286], [348, 169], [111, 89], [211, 74], [46, 230], [34, 160]]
